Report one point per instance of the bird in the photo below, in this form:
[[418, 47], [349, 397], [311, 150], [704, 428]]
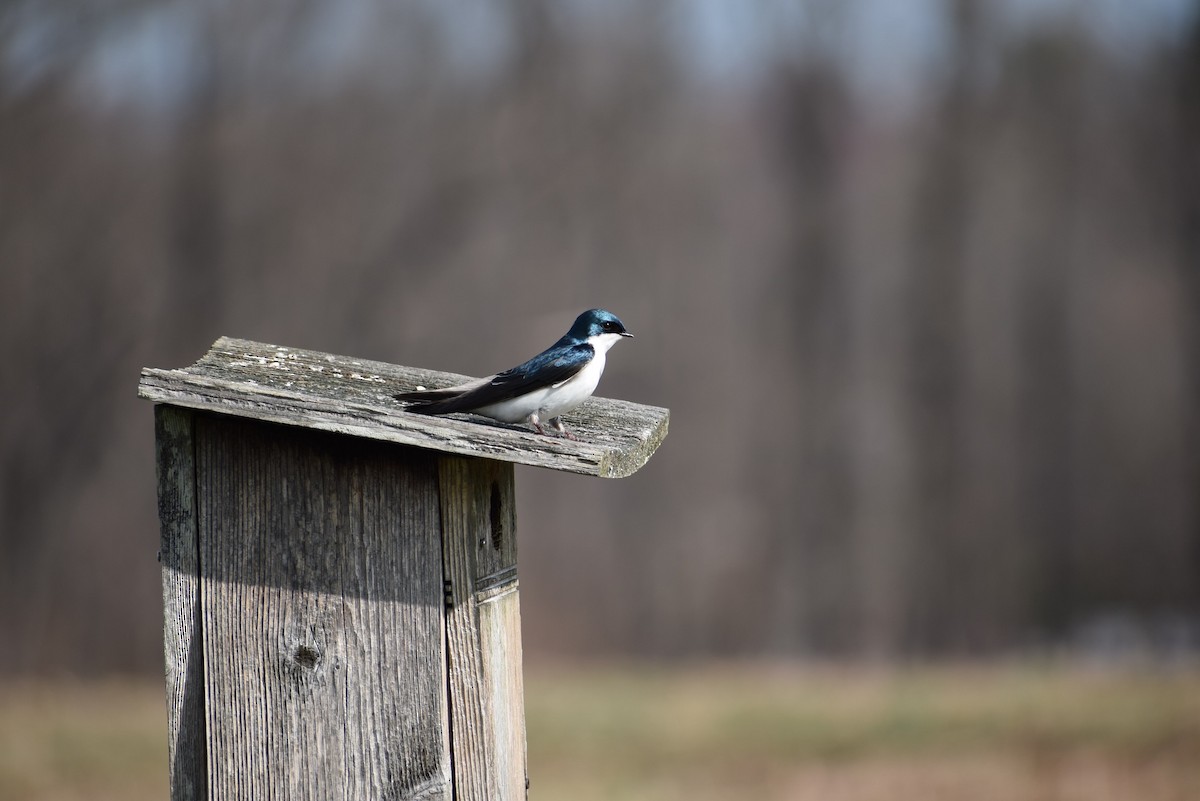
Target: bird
[[544, 388]]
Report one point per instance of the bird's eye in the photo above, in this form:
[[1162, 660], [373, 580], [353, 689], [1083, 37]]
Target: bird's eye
[[609, 325]]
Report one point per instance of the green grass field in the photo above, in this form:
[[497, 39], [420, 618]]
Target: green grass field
[[722, 733]]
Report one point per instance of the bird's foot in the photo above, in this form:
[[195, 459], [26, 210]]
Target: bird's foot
[[562, 429]]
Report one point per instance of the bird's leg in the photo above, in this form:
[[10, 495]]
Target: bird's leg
[[560, 428], [534, 421]]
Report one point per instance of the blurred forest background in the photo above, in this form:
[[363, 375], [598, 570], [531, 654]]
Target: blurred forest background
[[918, 281]]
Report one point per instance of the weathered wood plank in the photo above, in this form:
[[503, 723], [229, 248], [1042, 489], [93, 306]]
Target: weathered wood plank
[[483, 629], [353, 396], [324, 639], [182, 638]]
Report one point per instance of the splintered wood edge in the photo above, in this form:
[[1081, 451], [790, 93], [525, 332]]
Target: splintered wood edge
[[353, 396]]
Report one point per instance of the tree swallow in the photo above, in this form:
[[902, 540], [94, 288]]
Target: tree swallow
[[547, 386]]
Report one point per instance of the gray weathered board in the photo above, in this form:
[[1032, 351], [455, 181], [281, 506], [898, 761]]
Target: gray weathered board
[[341, 616], [353, 396]]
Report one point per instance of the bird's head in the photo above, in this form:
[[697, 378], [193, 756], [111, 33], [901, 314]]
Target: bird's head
[[601, 328]]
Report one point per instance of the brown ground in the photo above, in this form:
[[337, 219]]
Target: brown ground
[[1003, 733]]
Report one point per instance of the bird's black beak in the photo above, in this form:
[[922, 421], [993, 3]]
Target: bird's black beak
[[627, 334]]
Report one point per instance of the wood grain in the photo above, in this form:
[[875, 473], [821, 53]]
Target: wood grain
[[353, 396], [182, 633], [322, 606], [483, 629]]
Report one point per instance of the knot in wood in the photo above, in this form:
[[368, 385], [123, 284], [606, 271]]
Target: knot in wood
[[306, 657]]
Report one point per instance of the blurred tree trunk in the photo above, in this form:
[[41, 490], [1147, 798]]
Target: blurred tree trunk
[[1187, 192], [935, 303], [197, 285], [1051, 96], [811, 548]]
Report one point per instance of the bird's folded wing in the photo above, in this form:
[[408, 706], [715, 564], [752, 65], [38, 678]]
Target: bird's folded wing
[[550, 367]]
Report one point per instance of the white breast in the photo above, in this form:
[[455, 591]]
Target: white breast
[[564, 397]]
